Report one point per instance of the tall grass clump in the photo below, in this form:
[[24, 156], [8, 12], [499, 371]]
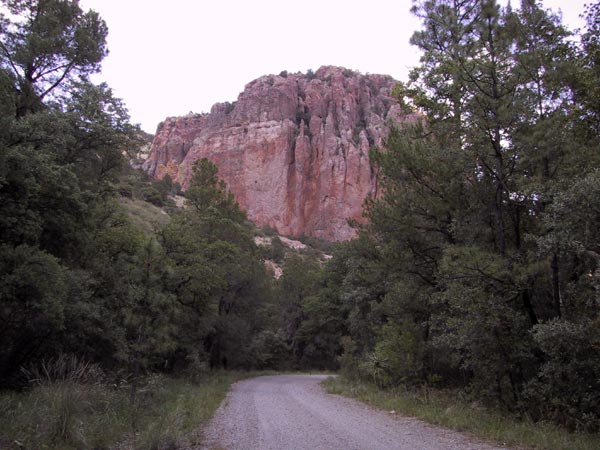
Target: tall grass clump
[[72, 405], [179, 407], [68, 405]]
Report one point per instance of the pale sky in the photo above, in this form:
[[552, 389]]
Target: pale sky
[[168, 58]]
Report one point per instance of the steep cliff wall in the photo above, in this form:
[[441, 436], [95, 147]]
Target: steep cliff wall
[[294, 148]]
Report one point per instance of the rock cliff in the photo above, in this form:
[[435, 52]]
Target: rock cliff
[[294, 148]]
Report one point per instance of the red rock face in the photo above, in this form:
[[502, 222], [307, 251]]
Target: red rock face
[[294, 149]]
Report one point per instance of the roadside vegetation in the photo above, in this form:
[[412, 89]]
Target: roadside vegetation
[[452, 409], [73, 405], [477, 270], [120, 309]]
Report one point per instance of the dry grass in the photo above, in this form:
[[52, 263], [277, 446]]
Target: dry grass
[[145, 215]]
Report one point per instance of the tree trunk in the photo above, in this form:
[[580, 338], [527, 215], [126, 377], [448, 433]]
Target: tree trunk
[[556, 285]]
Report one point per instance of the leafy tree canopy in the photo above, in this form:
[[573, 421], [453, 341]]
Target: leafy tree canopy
[[45, 44]]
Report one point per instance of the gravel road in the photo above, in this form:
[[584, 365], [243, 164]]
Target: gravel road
[[292, 412]]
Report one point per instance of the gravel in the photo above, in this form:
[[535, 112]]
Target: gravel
[[292, 412]]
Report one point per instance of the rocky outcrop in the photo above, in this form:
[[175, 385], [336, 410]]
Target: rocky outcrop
[[294, 148]]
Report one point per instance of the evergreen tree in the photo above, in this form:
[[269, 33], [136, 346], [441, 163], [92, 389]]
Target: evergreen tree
[[218, 278], [53, 43], [473, 267]]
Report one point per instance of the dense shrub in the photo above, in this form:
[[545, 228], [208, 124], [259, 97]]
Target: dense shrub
[[567, 389]]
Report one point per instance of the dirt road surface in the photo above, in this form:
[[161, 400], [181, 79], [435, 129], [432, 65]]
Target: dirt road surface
[[292, 412]]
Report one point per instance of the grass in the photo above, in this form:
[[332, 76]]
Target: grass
[[144, 214], [179, 410], [67, 415], [442, 408]]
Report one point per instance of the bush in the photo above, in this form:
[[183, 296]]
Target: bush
[[152, 195], [268, 230], [398, 355], [270, 351], [63, 415], [567, 389], [350, 366], [277, 250], [69, 414]]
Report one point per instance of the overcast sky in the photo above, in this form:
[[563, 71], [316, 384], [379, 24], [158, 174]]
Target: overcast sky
[[168, 58]]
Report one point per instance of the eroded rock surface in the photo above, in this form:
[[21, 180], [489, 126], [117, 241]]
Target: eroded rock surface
[[294, 148]]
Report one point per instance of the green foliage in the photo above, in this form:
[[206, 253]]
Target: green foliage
[[75, 414], [78, 275], [397, 356], [479, 253], [54, 42], [153, 195], [34, 296], [117, 282], [277, 252], [147, 217], [268, 230], [317, 243], [137, 185], [218, 278], [586, 83], [270, 350], [298, 282], [567, 388], [42, 203], [572, 217], [477, 267], [450, 409]]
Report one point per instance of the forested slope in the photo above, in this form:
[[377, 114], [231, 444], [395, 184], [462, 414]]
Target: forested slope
[[96, 260]]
